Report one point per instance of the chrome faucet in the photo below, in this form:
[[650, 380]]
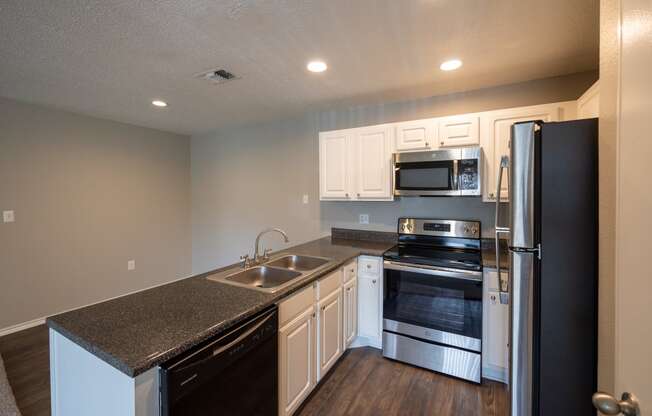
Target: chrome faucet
[[257, 256]]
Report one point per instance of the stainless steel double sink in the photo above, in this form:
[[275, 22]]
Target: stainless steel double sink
[[273, 275]]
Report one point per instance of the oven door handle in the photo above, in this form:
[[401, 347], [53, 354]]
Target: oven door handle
[[434, 271]]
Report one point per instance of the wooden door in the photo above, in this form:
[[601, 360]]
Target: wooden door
[[297, 375], [350, 311], [373, 158], [330, 331], [334, 171]]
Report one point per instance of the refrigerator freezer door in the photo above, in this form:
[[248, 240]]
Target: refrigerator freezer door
[[521, 186], [521, 276]]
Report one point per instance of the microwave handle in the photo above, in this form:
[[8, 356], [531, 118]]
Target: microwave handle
[[455, 175], [503, 283]]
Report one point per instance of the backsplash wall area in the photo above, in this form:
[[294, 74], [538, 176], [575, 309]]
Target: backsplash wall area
[[383, 215], [247, 178]]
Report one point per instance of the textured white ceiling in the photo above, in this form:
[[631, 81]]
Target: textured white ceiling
[[110, 58]]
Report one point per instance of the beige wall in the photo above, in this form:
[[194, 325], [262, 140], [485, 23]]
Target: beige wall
[[88, 194], [247, 178], [609, 21]]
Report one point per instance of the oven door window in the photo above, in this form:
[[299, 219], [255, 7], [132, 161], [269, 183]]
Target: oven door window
[[424, 176], [442, 303]]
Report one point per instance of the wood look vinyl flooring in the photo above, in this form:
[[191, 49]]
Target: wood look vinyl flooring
[[27, 360], [364, 383], [361, 383]]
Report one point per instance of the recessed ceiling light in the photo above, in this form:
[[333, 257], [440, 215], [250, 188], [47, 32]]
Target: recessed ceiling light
[[450, 65], [159, 103], [317, 66]]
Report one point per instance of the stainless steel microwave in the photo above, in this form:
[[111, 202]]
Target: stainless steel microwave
[[450, 172]]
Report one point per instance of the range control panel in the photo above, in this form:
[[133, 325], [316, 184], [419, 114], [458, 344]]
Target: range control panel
[[441, 228]]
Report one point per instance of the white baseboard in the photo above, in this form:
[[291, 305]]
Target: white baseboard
[[38, 321], [22, 326]]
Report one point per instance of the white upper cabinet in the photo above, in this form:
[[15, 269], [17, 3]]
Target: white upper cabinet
[[356, 164], [496, 135], [334, 164], [458, 131], [588, 105], [416, 135], [373, 159]]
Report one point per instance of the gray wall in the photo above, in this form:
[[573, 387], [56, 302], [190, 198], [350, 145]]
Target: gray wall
[[89, 195], [247, 178]]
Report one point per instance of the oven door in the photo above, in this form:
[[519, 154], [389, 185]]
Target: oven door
[[426, 178], [439, 305]]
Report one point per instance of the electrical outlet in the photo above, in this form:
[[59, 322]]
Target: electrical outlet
[[8, 216], [131, 265], [305, 198], [364, 218]]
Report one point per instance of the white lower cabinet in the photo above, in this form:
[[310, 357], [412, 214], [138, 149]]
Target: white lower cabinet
[[330, 331], [350, 311], [318, 323], [370, 273], [495, 348], [297, 361]]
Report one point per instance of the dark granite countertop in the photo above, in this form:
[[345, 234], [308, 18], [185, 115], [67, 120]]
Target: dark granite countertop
[[136, 332]]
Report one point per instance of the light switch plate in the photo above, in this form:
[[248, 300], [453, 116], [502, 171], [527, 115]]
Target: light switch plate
[[364, 218], [131, 265], [8, 216]]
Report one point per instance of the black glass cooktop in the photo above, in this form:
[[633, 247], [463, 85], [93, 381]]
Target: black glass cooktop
[[456, 258]]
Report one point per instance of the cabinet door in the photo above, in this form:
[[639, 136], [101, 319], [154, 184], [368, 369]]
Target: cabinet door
[[416, 135], [350, 311], [297, 360], [334, 170], [496, 145], [459, 131], [369, 307], [330, 331], [373, 158]]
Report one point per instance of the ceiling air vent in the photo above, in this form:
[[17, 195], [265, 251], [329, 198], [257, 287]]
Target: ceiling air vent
[[217, 76]]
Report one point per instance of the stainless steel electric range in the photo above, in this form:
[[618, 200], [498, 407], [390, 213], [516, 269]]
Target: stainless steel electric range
[[432, 308]]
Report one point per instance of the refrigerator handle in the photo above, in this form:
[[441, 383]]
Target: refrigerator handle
[[503, 283]]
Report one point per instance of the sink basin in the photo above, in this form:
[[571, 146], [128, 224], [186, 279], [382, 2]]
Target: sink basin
[[300, 263], [263, 277]]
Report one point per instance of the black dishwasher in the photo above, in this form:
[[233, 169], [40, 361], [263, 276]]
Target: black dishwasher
[[235, 373]]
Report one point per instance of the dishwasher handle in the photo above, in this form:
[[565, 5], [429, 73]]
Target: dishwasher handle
[[183, 374]]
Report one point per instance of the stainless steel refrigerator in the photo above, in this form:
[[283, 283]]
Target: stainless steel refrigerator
[[552, 176]]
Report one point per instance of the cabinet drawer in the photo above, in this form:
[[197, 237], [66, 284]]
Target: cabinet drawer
[[350, 270], [369, 265], [330, 283], [293, 306]]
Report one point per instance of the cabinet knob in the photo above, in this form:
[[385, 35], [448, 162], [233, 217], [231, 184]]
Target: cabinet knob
[[368, 266], [427, 144], [352, 270], [313, 314], [346, 194], [441, 143], [323, 308], [373, 281], [358, 194]]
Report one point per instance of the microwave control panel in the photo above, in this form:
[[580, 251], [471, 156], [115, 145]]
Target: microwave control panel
[[468, 175]]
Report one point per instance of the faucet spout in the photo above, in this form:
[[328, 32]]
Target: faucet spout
[[265, 231]]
